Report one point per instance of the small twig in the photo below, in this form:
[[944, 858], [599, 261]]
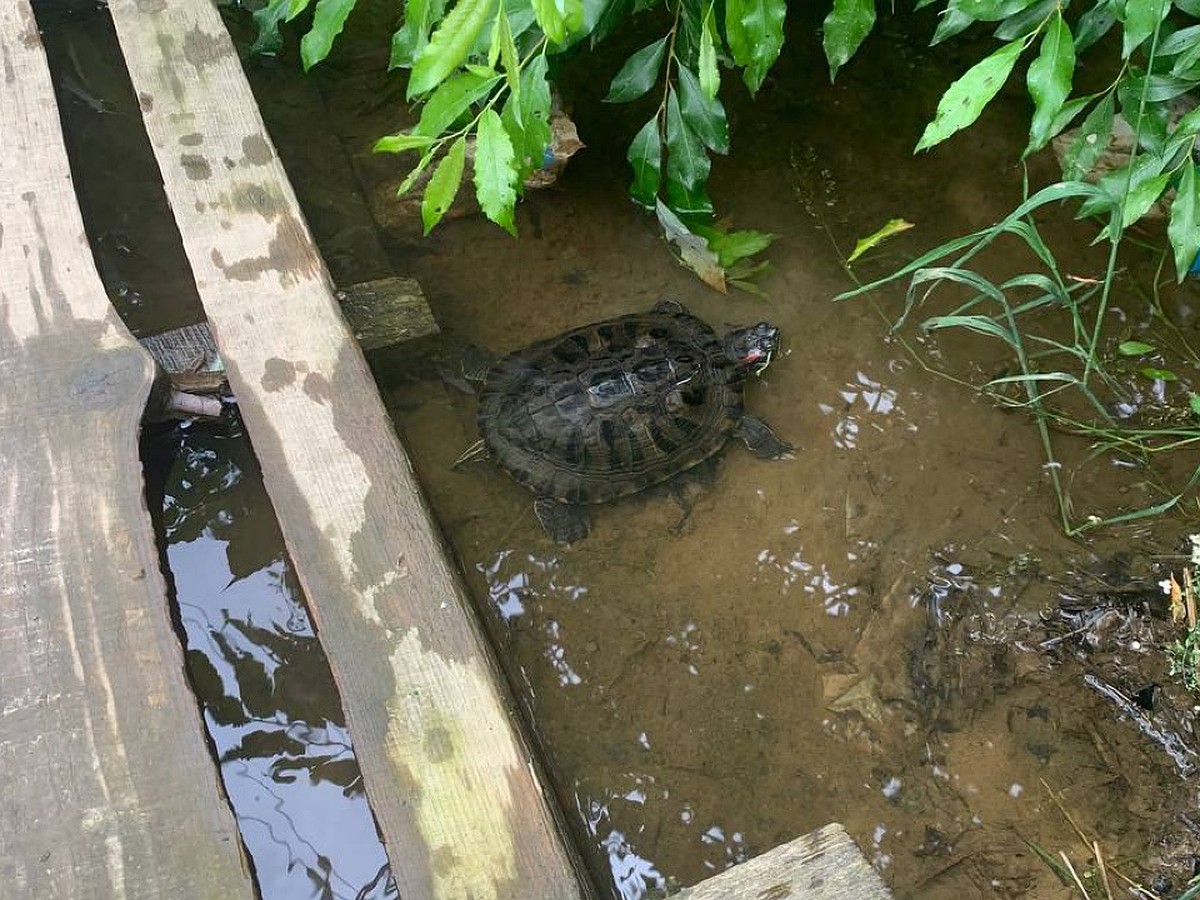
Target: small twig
[[1103, 869], [1070, 868]]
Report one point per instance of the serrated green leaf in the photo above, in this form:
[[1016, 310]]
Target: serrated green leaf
[[1156, 374], [511, 61], [645, 156], [398, 143], [550, 19], [412, 36], [1049, 81], [1142, 17], [687, 162], [734, 246], [1027, 20], [1142, 196], [1095, 24], [965, 99], [267, 21], [495, 172], [411, 178], [952, 22], [1135, 348], [443, 186], [449, 46], [526, 117], [639, 73], [1184, 227], [710, 75], [452, 98], [991, 10], [1179, 41], [847, 24], [704, 116], [692, 203], [1091, 142], [328, 21], [754, 29], [1070, 110]]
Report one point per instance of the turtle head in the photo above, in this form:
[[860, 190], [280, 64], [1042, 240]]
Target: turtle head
[[753, 347]]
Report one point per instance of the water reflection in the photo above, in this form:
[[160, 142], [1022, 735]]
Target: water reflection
[[270, 704], [863, 401]]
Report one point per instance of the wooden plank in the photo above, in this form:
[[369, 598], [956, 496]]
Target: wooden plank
[[452, 783], [822, 865], [106, 784]]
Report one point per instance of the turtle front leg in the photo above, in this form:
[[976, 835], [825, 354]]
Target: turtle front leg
[[759, 437], [566, 523]]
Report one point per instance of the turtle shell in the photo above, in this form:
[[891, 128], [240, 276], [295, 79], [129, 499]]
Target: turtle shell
[[611, 408]]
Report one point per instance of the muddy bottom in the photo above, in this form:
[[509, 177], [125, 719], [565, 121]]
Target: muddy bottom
[[889, 630]]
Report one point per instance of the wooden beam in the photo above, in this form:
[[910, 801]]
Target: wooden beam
[[452, 783], [822, 865], [107, 788]]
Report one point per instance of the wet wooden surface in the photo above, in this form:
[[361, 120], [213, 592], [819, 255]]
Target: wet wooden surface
[[822, 865], [459, 803], [107, 788]]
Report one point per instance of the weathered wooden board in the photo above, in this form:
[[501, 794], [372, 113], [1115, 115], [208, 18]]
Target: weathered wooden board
[[452, 783], [822, 865], [107, 788]]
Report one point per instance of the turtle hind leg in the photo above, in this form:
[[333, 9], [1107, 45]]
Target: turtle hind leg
[[759, 437], [566, 523], [477, 452]]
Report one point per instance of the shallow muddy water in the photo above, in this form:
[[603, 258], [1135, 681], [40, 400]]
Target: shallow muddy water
[[889, 630]]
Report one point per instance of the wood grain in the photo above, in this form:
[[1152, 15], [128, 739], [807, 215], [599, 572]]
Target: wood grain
[[821, 865], [106, 784], [452, 783]]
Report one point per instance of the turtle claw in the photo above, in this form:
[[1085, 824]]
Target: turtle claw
[[669, 307], [566, 523], [759, 437], [477, 452]]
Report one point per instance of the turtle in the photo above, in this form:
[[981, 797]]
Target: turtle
[[611, 408]]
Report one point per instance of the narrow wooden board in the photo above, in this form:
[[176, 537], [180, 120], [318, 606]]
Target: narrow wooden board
[[452, 783], [107, 788], [822, 865]]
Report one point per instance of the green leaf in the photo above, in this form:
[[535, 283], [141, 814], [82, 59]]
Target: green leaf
[[1184, 227], [511, 61], [1092, 140], [1142, 17], [1142, 195], [1191, 7], [645, 156], [1135, 348], [754, 29], [687, 162], [411, 178], [495, 172], [526, 117], [398, 143], [452, 98], [639, 73], [1179, 41], [267, 21], [449, 46], [847, 24], [1194, 403], [1027, 20], [691, 202], [550, 19], [328, 21], [1070, 110], [411, 37], [1155, 374], [890, 228], [704, 116], [953, 21], [1049, 81], [734, 246], [443, 186], [710, 75], [1095, 24], [965, 99]]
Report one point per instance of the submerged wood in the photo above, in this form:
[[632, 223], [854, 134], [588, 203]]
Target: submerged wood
[[821, 865], [108, 786], [452, 783]]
